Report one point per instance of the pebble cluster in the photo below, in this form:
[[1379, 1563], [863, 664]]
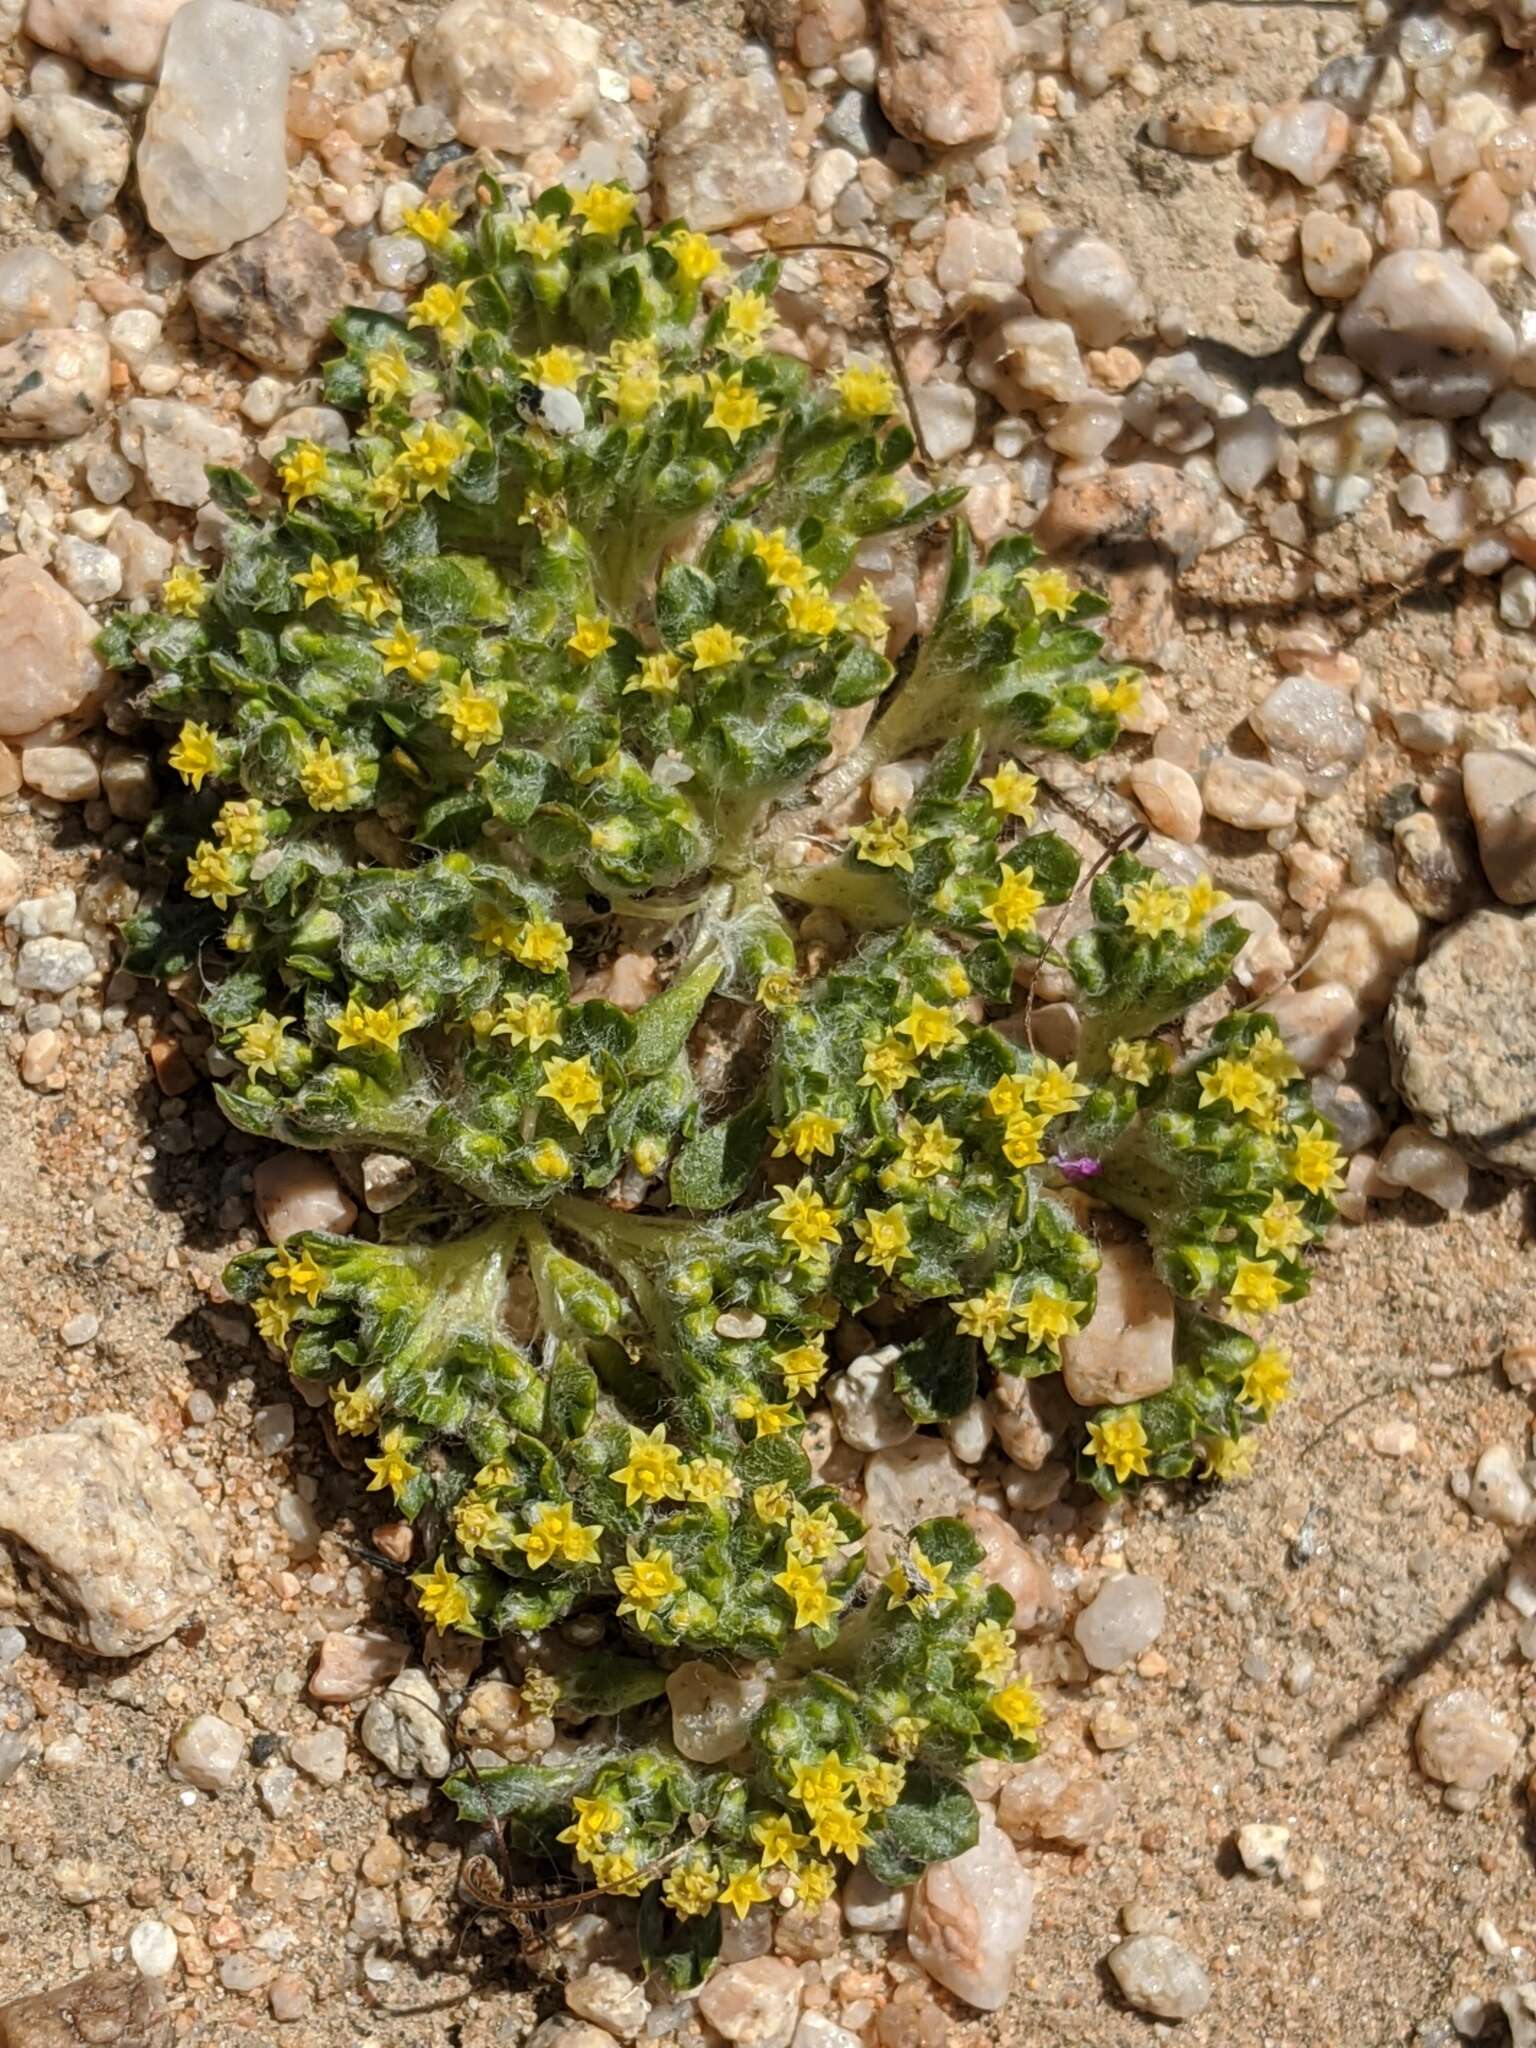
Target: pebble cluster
[[198, 185]]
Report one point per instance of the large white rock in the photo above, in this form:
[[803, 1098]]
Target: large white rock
[[212, 160], [82, 150], [712, 1710], [1431, 333], [49, 668], [509, 74], [970, 1918], [121, 38], [172, 444], [723, 153]]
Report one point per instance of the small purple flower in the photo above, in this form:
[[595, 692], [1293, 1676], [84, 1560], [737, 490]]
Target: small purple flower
[[1076, 1169]]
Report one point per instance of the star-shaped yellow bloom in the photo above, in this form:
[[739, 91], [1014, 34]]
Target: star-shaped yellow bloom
[[885, 1238], [444, 1597], [653, 1470], [1013, 791], [574, 1089], [804, 1220], [1120, 1444]]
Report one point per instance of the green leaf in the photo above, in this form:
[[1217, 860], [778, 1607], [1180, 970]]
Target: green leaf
[[934, 1819], [718, 1162], [603, 1682], [684, 1949], [936, 1377]]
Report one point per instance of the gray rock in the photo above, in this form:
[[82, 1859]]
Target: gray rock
[[1425, 328], [54, 383], [273, 298], [1310, 729], [1084, 280], [404, 1728], [36, 290], [207, 1752], [1159, 1975], [82, 150], [857, 125], [712, 1710], [212, 160], [102, 1545], [171, 444], [1125, 1618], [1500, 787], [509, 74], [52, 967], [1463, 1080], [869, 1413], [321, 1755], [108, 2008], [1437, 868], [723, 156]]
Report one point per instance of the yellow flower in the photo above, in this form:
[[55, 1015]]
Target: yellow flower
[[1120, 1443], [1014, 906], [866, 616], [635, 392], [1152, 909], [886, 843], [184, 592], [592, 636], [1051, 592], [928, 1150], [992, 1647], [1013, 791], [533, 1021], [298, 1273], [808, 1132], [429, 455], [654, 1469], [884, 1238], [354, 1410], [777, 990], [810, 612], [879, 1784], [989, 1317], [691, 1889], [1256, 1288], [748, 317], [802, 1366], [1236, 1082], [804, 1219], [211, 874], [557, 1533], [549, 1160], [772, 1503], [606, 209], [736, 408], [1200, 900], [375, 1027], [930, 1027], [443, 1599], [429, 224], [539, 943], [1017, 1708], [558, 368], [867, 390], [330, 781], [1053, 1090], [403, 651], [839, 1832], [1047, 1318], [905, 1734], [261, 1046], [1267, 1382], [1315, 1161], [196, 753], [646, 1580], [1136, 1060], [1279, 1228], [1228, 1457], [916, 1581], [477, 1524], [813, 1534], [1122, 696], [710, 1481], [541, 236], [325, 580], [596, 1819], [303, 470], [391, 1469], [780, 1841], [1007, 1095], [695, 256], [815, 1882], [445, 307], [888, 1066], [274, 1315], [658, 676], [242, 826], [715, 647], [574, 1089], [768, 1418], [474, 718], [814, 1602], [1269, 1054], [744, 1890], [388, 373], [1021, 1139]]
